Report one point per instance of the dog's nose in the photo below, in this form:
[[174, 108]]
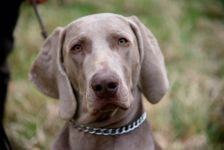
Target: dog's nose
[[105, 84]]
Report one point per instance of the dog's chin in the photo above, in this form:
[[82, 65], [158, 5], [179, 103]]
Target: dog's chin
[[106, 114], [109, 107], [105, 111]]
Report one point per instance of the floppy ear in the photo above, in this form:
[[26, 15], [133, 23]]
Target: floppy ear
[[48, 74], [153, 80]]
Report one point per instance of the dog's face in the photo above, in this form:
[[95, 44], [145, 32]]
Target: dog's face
[[102, 62], [98, 64]]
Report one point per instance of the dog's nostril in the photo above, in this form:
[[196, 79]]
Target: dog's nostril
[[112, 86], [98, 88]]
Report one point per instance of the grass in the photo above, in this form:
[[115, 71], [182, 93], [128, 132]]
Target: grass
[[191, 37]]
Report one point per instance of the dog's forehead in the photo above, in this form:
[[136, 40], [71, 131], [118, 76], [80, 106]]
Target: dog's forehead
[[99, 23]]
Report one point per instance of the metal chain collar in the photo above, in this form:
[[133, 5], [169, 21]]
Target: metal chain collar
[[113, 131]]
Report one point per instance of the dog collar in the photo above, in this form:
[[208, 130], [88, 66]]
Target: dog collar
[[113, 131]]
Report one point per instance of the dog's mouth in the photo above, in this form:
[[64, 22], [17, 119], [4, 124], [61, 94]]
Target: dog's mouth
[[108, 107], [105, 111], [105, 114]]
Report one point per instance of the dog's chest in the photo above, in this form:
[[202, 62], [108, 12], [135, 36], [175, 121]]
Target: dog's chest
[[137, 140]]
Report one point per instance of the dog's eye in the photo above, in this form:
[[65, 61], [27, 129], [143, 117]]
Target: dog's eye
[[122, 42], [76, 48]]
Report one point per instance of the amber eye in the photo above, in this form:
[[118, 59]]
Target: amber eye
[[76, 48], [122, 42]]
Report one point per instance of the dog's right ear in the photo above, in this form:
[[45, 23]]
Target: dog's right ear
[[153, 80], [48, 74]]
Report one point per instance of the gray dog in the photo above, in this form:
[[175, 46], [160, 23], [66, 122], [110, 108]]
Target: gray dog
[[98, 66]]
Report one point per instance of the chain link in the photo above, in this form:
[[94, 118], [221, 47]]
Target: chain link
[[113, 131]]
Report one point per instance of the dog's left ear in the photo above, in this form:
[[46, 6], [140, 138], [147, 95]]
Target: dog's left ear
[[153, 80]]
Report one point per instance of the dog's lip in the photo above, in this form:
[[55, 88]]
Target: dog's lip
[[106, 114], [108, 107]]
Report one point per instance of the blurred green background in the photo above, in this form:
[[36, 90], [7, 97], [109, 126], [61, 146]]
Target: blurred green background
[[191, 36]]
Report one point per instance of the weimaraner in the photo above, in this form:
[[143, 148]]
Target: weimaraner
[[98, 66]]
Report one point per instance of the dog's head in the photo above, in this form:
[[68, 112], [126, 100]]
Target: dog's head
[[97, 62]]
